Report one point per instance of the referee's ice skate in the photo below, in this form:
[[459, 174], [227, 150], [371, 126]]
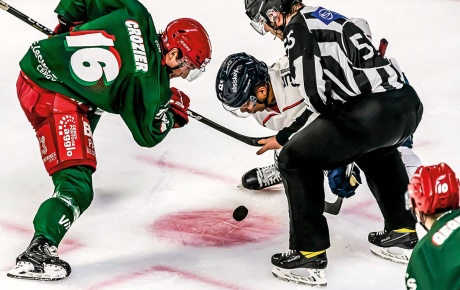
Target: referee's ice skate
[[395, 245], [40, 261], [294, 266]]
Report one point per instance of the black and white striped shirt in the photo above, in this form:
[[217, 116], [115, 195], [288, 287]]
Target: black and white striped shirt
[[331, 58]]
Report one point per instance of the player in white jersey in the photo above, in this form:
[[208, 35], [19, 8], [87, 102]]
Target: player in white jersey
[[277, 105]]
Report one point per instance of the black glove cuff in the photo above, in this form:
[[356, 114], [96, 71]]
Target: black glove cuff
[[282, 137], [64, 25]]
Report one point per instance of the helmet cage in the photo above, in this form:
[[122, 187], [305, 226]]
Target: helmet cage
[[268, 16], [195, 72], [236, 111], [261, 11], [258, 24]]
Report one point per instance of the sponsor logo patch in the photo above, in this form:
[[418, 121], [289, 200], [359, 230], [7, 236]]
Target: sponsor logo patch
[[326, 16]]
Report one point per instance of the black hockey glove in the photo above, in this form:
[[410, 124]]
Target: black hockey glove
[[64, 25], [343, 183]]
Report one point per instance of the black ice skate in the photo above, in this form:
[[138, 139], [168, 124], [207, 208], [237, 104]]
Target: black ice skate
[[395, 245], [40, 261], [261, 177], [293, 266]]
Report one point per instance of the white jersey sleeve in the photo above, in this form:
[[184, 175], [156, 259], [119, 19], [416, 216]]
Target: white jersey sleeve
[[289, 102], [410, 159]]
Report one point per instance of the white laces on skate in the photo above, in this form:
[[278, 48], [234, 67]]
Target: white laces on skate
[[52, 251], [268, 175], [288, 253], [47, 250]]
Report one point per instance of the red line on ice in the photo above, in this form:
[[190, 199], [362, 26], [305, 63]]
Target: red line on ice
[[188, 275], [214, 228], [360, 209], [187, 169]]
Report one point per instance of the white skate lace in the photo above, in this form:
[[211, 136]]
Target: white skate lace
[[379, 233], [288, 253], [52, 251], [268, 175]]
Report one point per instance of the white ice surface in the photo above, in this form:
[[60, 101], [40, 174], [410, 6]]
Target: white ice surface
[[113, 246]]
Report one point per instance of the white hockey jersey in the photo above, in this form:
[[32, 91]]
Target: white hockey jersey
[[289, 102]]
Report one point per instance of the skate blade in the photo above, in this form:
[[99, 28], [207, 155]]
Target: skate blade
[[315, 278], [394, 254], [275, 187], [25, 270]]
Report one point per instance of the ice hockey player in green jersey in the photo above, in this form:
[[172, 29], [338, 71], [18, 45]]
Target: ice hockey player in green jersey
[[433, 196], [106, 56]]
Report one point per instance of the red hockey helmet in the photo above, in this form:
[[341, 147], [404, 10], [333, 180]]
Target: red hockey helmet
[[190, 37], [434, 189]]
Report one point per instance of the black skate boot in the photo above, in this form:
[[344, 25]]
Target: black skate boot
[[293, 265], [40, 261], [395, 245], [261, 177]]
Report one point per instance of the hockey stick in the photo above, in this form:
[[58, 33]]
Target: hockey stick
[[333, 207], [25, 18], [245, 139], [383, 46]]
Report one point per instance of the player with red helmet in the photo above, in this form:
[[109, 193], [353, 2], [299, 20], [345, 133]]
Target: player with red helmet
[[433, 196], [106, 56], [192, 41]]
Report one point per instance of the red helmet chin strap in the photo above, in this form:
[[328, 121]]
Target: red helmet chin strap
[[162, 50]]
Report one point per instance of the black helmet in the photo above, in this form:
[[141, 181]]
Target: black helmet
[[253, 7], [237, 77]]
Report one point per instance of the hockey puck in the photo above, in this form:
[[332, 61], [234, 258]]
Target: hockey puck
[[240, 213]]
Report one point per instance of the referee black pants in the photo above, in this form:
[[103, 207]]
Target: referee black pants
[[367, 129]]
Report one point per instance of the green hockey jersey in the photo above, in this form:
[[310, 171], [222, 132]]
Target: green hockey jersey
[[435, 260], [112, 61]]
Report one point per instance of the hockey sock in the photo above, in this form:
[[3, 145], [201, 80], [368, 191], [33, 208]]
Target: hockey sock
[[309, 255], [52, 221]]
